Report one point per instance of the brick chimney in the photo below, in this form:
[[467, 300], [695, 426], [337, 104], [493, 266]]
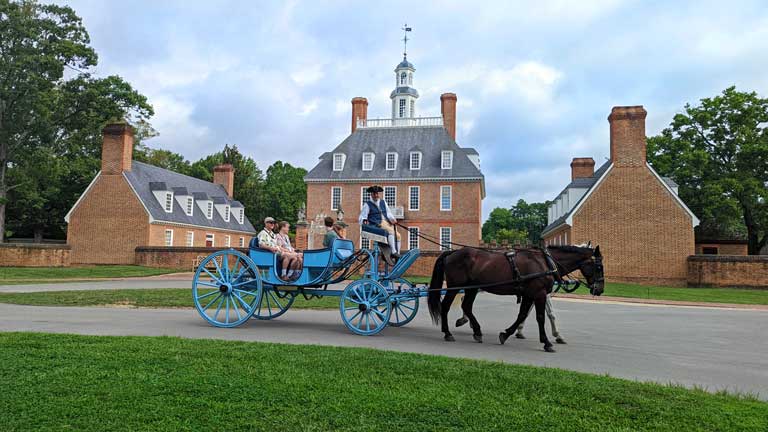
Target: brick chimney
[[628, 135], [116, 148], [582, 167], [448, 110], [225, 175], [359, 111]]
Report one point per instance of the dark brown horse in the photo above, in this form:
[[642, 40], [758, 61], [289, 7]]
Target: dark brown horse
[[472, 266]]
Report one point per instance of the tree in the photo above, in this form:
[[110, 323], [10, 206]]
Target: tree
[[718, 153], [523, 221], [284, 191], [36, 43], [500, 218]]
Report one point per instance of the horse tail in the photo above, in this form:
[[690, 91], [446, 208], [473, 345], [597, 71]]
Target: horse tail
[[435, 286]]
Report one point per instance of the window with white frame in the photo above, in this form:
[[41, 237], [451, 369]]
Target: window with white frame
[[226, 213], [364, 196], [190, 238], [415, 160], [169, 202], [445, 238], [241, 216], [402, 108], [414, 198], [209, 240], [402, 78], [335, 197], [242, 242], [368, 161], [445, 198], [390, 195], [209, 210], [410, 78], [446, 160], [190, 205], [227, 241], [169, 237], [413, 108], [413, 237], [391, 161], [338, 161]]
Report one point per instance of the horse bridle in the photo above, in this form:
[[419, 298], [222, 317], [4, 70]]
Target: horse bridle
[[599, 273]]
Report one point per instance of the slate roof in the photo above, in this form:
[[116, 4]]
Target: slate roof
[[145, 178], [405, 64], [429, 140], [405, 90], [587, 183]]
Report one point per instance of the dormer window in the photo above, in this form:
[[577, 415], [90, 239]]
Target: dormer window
[[169, 202], [391, 161], [241, 216], [368, 161], [226, 213], [190, 205], [446, 160], [338, 161], [209, 210], [415, 160]]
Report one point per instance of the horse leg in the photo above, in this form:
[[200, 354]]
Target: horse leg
[[551, 315], [444, 309], [466, 307], [525, 306], [519, 333], [541, 304], [463, 320]]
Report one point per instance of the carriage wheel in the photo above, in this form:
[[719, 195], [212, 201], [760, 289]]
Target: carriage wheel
[[365, 307], [226, 288], [273, 303], [404, 309]]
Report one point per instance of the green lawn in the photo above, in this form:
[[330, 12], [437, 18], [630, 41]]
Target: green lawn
[[87, 383], [54, 274], [711, 295]]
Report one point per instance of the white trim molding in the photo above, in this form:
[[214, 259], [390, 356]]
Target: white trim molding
[[569, 219], [694, 220]]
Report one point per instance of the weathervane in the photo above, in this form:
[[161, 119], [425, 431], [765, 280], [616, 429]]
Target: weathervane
[[405, 29]]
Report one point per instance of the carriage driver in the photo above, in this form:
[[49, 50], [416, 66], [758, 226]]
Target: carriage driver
[[376, 213]]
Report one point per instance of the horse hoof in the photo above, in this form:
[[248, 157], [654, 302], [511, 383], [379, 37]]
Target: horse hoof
[[450, 338], [549, 349], [461, 321], [519, 335], [502, 338], [478, 338], [561, 341]]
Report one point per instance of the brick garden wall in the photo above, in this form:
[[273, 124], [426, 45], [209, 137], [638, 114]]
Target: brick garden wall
[[724, 248], [728, 271], [182, 258], [34, 255]]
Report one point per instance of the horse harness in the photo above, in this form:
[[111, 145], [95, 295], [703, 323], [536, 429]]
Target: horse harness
[[518, 278]]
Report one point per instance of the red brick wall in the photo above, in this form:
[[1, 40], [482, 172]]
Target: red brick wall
[[724, 248], [157, 236], [464, 218], [643, 233], [34, 255], [728, 271], [108, 224], [182, 258], [560, 236]]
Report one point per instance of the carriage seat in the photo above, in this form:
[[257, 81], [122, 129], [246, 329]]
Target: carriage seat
[[374, 233]]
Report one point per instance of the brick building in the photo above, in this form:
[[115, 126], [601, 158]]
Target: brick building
[[130, 204], [431, 184], [644, 229]]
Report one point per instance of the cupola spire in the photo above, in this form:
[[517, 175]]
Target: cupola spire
[[404, 95]]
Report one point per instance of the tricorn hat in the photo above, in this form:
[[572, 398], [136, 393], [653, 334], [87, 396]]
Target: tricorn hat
[[373, 189]]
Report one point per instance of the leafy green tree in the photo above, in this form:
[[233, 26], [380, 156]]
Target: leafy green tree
[[718, 153], [512, 236], [500, 218], [284, 191], [527, 218], [50, 127], [36, 43]]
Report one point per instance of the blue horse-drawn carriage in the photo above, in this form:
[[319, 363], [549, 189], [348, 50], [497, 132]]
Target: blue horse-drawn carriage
[[230, 287]]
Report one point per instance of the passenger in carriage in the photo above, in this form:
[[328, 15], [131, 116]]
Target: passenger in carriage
[[330, 233], [376, 213], [295, 259], [268, 240]]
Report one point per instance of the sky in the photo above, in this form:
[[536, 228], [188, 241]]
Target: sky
[[535, 82]]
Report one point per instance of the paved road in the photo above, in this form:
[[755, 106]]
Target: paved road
[[707, 347]]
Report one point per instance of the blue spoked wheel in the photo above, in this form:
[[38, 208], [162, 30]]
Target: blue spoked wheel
[[226, 288], [365, 307], [404, 309], [273, 303]]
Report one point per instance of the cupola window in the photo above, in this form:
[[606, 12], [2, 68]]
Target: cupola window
[[402, 78]]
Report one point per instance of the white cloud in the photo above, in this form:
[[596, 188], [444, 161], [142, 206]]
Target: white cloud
[[532, 80], [309, 107], [307, 75]]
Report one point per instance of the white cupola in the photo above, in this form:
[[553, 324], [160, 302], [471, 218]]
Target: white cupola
[[404, 95]]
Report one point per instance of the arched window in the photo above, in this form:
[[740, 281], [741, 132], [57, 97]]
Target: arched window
[[402, 78]]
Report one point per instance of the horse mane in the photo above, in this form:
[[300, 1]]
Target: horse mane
[[570, 248]]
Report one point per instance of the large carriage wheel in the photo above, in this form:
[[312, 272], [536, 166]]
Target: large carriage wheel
[[404, 309], [365, 307], [226, 288], [273, 303]]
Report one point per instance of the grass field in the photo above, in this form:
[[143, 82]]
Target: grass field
[[87, 383], [710, 295], [34, 274]]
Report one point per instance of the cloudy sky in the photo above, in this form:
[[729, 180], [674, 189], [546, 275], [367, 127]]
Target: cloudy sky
[[535, 83]]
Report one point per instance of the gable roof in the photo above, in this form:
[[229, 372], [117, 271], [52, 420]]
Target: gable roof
[[429, 140], [144, 178], [590, 184]]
